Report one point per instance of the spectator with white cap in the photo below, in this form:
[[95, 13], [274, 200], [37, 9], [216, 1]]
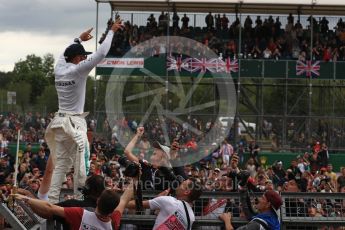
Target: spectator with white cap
[[154, 173]]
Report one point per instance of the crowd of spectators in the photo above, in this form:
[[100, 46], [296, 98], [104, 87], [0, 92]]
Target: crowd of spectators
[[32, 126], [105, 150], [262, 38], [311, 170]]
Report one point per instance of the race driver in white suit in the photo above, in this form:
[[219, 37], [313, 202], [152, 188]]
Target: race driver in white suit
[[66, 134]]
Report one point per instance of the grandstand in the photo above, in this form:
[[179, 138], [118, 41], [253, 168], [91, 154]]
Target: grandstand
[[301, 106], [286, 103], [302, 102]]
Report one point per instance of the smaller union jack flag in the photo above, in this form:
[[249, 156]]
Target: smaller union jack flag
[[176, 64], [308, 68], [202, 64], [229, 65]]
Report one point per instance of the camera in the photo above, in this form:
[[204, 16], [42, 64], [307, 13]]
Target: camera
[[243, 177], [94, 186], [132, 169], [243, 181], [246, 181]]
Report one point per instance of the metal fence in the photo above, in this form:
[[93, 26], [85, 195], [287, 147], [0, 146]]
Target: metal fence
[[20, 216], [299, 211], [198, 19], [313, 211]]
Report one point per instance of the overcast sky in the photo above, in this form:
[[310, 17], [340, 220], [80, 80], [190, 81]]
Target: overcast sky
[[40, 27], [48, 26]]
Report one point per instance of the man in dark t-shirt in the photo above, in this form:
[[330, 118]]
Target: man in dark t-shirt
[[158, 174]]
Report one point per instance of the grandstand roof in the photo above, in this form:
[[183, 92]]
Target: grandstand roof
[[315, 7]]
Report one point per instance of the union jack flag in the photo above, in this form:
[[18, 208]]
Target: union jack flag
[[308, 68], [194, 64], [203, 64], [176, 64], [229, 66]]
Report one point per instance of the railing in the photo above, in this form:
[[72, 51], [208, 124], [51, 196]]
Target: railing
[[299, 211], [20, 216], [332, 206], [198, 19]]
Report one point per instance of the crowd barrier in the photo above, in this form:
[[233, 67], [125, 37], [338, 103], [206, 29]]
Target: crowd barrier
[[299, 211]]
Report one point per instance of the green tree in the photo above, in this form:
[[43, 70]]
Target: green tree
[[48, 67], [48, 99], [35, 71], [32, 63], [23, 90], [3, 100], [89, 98], [5, 78]]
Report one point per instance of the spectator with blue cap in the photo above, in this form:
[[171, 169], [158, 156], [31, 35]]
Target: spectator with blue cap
[[268, 206]]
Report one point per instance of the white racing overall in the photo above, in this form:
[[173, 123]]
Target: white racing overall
[[66, 134], [67, 139]]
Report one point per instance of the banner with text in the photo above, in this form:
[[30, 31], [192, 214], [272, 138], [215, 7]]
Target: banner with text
[[122, 63]]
